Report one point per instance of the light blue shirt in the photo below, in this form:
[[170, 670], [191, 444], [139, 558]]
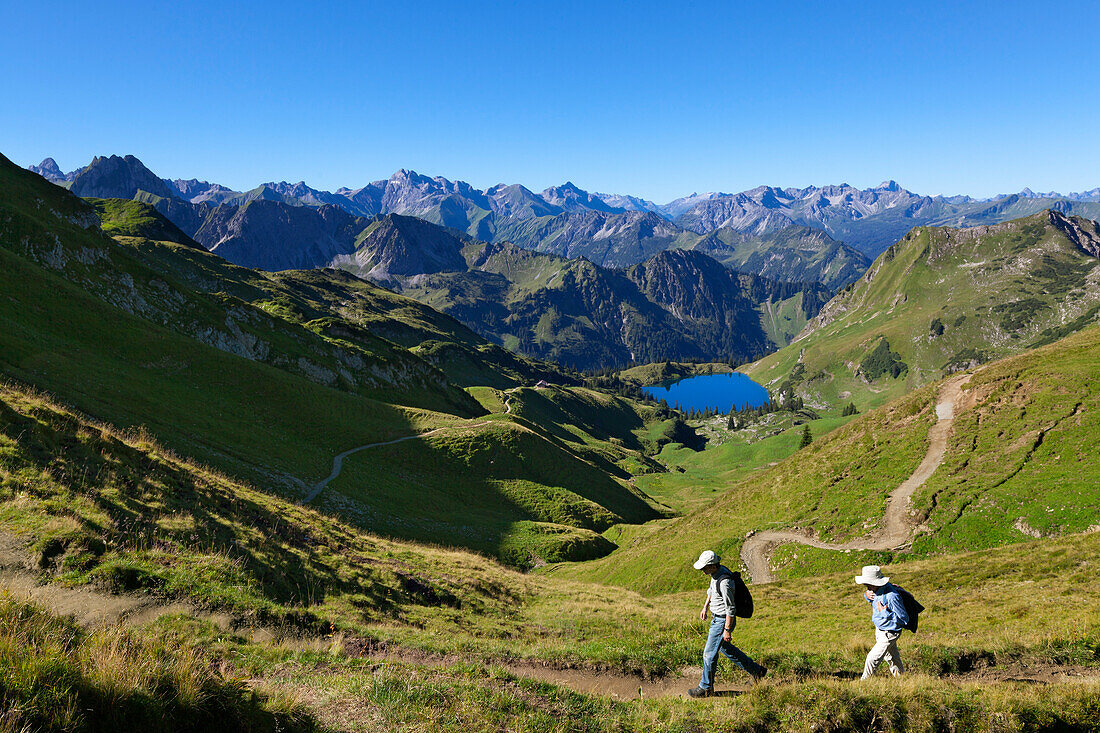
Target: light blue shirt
[[887, 609]]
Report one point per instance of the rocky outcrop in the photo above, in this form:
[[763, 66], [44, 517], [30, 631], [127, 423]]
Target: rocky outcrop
[[269, 235], [403, 246], [118, 178], [1082, 232]]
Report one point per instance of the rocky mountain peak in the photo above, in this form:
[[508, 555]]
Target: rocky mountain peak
[[569, 197], [119, 178], [49, 170]]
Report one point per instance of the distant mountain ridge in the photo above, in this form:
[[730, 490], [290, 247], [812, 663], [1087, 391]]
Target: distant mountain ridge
[[567, 220], [675, 305]]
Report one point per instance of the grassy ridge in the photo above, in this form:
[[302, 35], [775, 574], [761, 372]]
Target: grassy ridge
[[130, 218], [559, 457], [944, 298]]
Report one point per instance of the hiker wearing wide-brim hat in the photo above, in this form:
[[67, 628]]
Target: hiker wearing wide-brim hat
[[889, 616], [723, 607]]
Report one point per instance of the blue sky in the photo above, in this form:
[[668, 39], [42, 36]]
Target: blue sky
[[652, 99]]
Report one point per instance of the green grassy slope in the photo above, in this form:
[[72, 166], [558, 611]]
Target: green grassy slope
[[1021, 463], [944, 299], [132, 218], [96, 504], [116, 329]]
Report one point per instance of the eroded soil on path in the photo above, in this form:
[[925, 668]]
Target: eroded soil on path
[[898, 525]]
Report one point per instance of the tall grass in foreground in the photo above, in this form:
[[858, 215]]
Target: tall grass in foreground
[[473, 698], [55, 676]]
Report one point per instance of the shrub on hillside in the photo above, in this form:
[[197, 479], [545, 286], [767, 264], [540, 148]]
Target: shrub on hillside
[[882, 361]]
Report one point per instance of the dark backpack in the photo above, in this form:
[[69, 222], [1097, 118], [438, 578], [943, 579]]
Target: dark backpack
[[741, 597], [912, 608]]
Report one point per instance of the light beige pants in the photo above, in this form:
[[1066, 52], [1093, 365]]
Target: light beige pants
[[886, 647]]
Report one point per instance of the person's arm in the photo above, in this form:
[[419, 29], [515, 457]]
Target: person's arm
[[706, 605], [896, 606], [726, 589]]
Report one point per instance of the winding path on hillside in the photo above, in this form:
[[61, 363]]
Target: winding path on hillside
[[897, 526], [338, 461]]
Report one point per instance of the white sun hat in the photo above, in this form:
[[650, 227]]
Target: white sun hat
[[872, 575], [707, 558]]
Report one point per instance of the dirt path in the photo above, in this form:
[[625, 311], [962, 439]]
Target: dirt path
[[617, 685], [89, 606], [338, 461], [897, 525]]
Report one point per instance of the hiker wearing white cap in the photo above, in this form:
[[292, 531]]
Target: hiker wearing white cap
[[889, 617], [723, 608]]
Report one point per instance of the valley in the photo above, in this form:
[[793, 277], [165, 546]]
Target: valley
[[415, 483]]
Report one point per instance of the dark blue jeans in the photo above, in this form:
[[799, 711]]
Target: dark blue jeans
[[715, 645]]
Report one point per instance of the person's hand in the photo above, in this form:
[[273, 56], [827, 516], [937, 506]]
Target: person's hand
[[726, 635], [703, 615], [869, 594]]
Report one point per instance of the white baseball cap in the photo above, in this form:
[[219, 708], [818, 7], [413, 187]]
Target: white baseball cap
[[707, 558]]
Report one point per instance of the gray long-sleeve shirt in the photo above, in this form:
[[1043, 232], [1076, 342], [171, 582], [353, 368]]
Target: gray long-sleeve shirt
[[721, 593]]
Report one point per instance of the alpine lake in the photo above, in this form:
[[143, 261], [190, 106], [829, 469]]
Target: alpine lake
[[710, 392]]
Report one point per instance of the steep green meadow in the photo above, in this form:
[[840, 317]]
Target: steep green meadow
[[268, 378], [944, 299]]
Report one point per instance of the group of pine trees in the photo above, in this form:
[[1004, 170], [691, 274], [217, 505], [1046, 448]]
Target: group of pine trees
[[782, 402]]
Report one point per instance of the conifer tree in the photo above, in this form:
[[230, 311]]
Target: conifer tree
[[807, 437]]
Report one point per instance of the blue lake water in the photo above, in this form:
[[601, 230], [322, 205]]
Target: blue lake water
[[711, 391]]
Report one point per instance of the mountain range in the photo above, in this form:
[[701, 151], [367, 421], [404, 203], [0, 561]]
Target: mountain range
[[678, 304], [569, 221]]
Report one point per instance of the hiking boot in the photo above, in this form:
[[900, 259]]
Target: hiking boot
[[700, 692], [759, 674]]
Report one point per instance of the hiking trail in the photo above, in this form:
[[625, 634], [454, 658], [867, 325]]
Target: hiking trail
[[897, 526], [338, 461]]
